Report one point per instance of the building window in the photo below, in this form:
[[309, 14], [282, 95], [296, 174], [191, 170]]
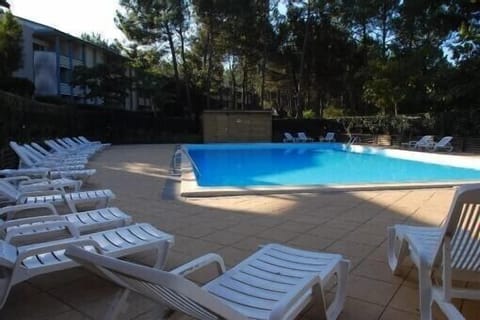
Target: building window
[[65, 75], [39, 47]]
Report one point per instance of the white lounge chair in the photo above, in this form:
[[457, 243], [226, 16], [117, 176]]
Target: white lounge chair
[[448, 253], [55, 196], [329, 137], [56, 155], [36, 155], [302, 137], [425, 143], [12, 227], [25, 262], [41, 172], [287, 137], [276, 282], [86, 141], [25, 183], [96, 147], [444, 144], [28, 160]]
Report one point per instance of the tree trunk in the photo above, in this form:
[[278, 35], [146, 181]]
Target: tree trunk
[[174, 62], [244, 84], [186, 74], [302, 64], [234, 85], [209, 70], [265, 9], [384, 28]]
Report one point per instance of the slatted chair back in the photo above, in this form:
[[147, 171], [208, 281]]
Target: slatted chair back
[[462, 231], [9, 191], [444, 142], [22, 154]]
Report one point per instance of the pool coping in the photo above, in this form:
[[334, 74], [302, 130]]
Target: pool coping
[[190, 188]]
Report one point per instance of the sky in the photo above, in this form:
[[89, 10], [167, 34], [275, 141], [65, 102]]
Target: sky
[[71, 16]]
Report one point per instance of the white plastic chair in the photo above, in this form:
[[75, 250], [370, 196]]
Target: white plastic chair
[[25, 262], [449, 252], [41, 172], [425, 143], [276, 282], [444, 144], [29, 160], [287, 137], [302, 137], [25, 183], [329, 137], [13, 227], [55, 196]]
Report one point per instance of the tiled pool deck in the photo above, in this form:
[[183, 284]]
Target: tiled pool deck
[[351, 223]]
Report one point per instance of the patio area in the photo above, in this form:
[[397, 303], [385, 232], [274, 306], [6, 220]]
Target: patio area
[[351, 223]]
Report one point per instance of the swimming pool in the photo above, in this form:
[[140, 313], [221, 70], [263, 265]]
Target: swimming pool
[[270, 166]]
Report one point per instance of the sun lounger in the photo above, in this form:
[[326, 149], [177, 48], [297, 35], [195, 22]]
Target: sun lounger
[[25, 262], [276, 282]]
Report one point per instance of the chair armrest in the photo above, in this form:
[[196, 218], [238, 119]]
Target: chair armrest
[[25, 172], [17, 232], [199, 263], [18, 179], [11, 211], [33, 180], [30, 250], [290, 299], [47, 192]]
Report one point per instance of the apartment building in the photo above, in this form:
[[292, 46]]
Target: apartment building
[[49, 57]]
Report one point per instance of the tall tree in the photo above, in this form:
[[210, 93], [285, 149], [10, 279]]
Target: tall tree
[[4, 3], [103, 81], [10, 45], [153, 23]]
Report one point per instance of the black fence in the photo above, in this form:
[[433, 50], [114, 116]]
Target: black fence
[[24, 120]]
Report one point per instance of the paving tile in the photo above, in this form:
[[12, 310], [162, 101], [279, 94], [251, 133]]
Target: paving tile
[[351, 249], [377, 270], [194, 247], [310, 242], [277, 234], [395, 314], [40, 305], [223, 237], [369, 290], [250, 243], [406, 299], [355, 309]]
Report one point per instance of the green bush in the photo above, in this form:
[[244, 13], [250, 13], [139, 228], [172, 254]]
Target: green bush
[[19, 86], [308, 114]]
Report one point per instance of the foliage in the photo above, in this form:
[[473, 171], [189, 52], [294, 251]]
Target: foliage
[[4, 3], [20, 86], [308, 114], [98, 40], [103, 81], [10, 45], [363, 57]]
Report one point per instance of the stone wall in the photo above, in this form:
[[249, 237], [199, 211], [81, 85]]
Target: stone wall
[[237, 126]]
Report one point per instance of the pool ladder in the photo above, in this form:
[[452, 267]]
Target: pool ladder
[[176, 165], [176, 161], [352, 140]]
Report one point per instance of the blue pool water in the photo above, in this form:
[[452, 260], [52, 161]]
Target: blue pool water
[[244, 165]]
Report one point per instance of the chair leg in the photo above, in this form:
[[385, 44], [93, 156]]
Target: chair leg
[[395, 256], [425, 291], [318, 310], [341, 293], [117, 305]]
